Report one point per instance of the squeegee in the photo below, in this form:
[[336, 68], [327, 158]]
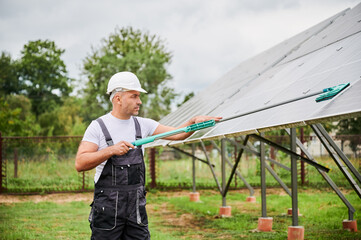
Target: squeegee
[[326, 94]]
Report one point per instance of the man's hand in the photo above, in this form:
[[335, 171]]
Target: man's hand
[[198, 119], [121, 148], [162, 128], [88, 156]]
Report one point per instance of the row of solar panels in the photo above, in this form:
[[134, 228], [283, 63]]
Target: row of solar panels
[[323, 56]]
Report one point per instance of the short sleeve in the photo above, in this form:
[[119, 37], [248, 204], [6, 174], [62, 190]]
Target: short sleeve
[[148, 126], [93, 133]]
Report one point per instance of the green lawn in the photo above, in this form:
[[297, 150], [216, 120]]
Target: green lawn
[[173, 216]]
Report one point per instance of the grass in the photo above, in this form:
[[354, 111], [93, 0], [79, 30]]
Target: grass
[[173, 216], [44, 220], [49, 174]]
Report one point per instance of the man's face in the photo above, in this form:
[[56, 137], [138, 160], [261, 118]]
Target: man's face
[[129, 102]]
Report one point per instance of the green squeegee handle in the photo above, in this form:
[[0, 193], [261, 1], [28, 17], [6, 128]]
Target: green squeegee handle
[[190, 128]]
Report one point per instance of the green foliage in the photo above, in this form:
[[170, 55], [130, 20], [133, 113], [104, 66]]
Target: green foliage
[[63, 120], [186, 98], [43, 75], [16, 118], [131, 50], [351, 126], [9, 81]]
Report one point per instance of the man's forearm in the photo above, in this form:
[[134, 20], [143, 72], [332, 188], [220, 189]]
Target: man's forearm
[[88, 160]]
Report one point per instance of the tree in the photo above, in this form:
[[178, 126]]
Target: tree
[[351, 126], [9, 82], [186, 98], [16, 119], [44, 75], [129, 50], [63, 120]]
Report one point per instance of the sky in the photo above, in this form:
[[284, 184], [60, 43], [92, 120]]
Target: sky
[[207, 38]]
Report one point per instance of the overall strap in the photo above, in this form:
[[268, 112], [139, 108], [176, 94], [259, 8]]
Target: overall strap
[[138, 132], [107, 136]]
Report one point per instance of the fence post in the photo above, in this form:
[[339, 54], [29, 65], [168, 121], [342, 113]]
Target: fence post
[[153, 182], [83, 187], [1, 164], [15, 163]]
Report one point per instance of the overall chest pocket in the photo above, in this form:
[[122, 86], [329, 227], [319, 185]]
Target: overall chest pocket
[[127, 174], [128, 169]]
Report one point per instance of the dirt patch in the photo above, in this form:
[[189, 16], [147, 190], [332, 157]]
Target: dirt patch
[[172, 220], [70, 197], [56, 197]]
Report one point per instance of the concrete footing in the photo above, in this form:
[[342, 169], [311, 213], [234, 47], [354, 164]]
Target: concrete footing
[[350, 225], [194, 196], [265, 224], [289, 212], [296, 233], [225, 211], [251, 199]]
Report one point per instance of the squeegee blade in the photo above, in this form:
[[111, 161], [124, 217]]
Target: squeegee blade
[[332, 92]]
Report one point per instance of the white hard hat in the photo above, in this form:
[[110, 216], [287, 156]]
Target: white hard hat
[[124, 81]]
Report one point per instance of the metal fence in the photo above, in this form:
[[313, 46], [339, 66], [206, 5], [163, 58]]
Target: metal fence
[[41, 164], [46, 164]]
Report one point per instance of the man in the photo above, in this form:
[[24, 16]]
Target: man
[[118, 210]]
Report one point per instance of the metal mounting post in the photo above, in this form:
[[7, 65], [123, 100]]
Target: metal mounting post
[[263, 177], [194, 167], [294, 179], [223, 162]]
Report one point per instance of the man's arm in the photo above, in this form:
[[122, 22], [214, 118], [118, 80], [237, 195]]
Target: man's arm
[[88, 156], [163, 128]]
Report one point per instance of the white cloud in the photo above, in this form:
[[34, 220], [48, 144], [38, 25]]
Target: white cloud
[[207, 38]]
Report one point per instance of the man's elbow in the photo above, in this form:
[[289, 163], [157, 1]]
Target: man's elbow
[[78, 166]]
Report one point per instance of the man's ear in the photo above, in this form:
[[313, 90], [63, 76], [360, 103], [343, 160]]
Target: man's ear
[[118, 99]]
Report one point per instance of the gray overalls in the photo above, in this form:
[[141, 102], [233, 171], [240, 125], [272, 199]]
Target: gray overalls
[[118, 210]]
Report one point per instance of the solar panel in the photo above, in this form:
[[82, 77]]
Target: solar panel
[[306, 63]]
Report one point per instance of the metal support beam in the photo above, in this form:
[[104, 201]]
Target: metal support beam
[[191, 155], [351, 209], [278, 179], [297, 156], [263, 178], [273, 173], [224, 193], [338, 151], [294, 179], [251, 149], [248, 149], [250, 188], [337, 160], [211, 167], [278, 164]]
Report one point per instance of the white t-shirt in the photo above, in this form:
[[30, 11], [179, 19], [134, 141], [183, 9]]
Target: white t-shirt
[[119, 130]]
